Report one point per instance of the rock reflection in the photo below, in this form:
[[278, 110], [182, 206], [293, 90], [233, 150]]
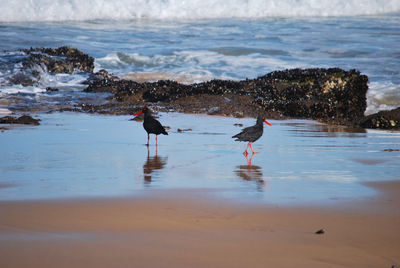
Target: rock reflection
[[153, 164], [251, 172], [314, 129]]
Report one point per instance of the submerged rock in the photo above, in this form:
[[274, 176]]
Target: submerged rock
[[382, 120], [24, 119]]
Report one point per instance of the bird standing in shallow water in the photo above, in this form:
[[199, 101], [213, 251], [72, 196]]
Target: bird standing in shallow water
[[151, 125], [251, 134]]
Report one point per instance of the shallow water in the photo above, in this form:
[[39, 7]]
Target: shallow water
[[299, 162]]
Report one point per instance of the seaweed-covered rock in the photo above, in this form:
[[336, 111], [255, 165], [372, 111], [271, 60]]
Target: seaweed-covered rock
[[59, 60], [24, 119], [382, 120]]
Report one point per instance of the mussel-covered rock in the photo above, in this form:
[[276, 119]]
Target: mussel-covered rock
[[382, 120], [24, 119], [331, 95], [59, 60]]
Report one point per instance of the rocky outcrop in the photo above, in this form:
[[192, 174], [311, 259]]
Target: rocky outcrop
[[382, 120], [50, 60], [330, 95], [60, 60], [24, 119]]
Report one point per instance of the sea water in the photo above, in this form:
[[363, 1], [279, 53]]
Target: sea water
[[194, 41], [72, 155], [79, 155]]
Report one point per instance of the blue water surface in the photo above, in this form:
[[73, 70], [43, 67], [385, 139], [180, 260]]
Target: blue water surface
[[299, 162]]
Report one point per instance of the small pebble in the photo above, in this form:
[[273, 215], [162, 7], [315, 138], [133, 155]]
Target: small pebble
[[183, 130]]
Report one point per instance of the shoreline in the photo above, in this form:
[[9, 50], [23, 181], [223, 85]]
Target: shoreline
[[184, 231]]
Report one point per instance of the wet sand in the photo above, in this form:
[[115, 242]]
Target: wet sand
[[74, 192], [181, 228]]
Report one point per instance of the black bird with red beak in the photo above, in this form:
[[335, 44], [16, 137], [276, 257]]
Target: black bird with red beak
[[151, 125], [251, 134]]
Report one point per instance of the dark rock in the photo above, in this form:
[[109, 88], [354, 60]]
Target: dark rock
[[101, 77], [321, 231], [51, 89], [331, 95], [52, 60], [59, 60], [24, 119], [27, 77], [382, 120]]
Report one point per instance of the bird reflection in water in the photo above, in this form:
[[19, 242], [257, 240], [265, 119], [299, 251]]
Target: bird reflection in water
[[152, 164], [251, 172]]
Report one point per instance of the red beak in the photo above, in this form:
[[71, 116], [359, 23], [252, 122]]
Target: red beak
[[138, 113], [267, 122]]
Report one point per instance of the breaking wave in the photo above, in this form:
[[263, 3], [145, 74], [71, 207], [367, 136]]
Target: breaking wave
[[77, 10]]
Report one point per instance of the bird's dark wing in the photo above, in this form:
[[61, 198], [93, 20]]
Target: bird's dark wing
[[249, 134], [246, 133], [154, 126]]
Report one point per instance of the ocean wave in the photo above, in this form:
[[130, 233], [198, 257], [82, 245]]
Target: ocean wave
[[382, 96], [77, 10], [199, 65]]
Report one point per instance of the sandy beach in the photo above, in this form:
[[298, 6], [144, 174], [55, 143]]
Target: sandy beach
[[83, 185], [77, 193], [181, 229]]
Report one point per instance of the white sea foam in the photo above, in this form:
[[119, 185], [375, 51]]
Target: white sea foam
[[21, 89], [198, 65], [64, 10], [382, 96], [5, 111]]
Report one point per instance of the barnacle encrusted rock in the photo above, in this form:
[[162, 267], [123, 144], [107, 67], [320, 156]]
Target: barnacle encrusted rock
[[60, 60], [382, 120], [331, 95]]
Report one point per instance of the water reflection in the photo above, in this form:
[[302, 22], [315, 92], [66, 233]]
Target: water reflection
[[314, 129], [251, 172], [153, 164]]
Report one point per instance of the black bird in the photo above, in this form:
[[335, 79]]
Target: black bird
[[251, 134], [151, 125]]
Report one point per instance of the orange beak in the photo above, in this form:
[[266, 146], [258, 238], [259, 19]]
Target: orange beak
[[136, 114], [267, 122]]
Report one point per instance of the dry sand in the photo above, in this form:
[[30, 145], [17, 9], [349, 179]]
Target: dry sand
[[177, 229]]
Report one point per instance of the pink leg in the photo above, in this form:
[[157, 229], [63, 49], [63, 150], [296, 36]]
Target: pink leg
[[156, 140], [245, 152], [148, 138], [252, 149]]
